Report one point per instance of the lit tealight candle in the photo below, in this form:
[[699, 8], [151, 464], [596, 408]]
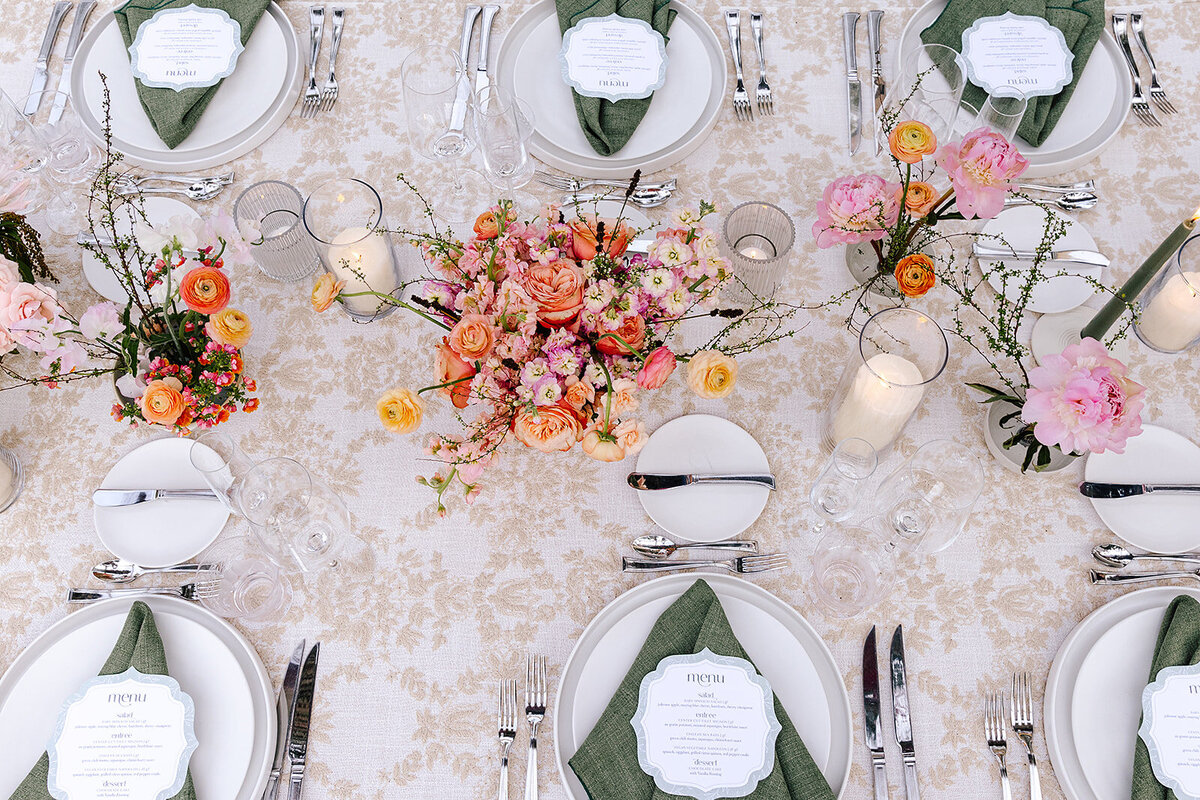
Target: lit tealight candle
[[1171, 320], [363, 260], [886, 391], [757, 253]]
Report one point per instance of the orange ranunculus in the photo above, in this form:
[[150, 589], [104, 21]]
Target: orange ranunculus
[[548, 428], [450, 367], [585, 238], [205, 290], [557, 288], [632, 330], [325, 291], [487, 226], [910, 141], [472, 337], [920, 198], [229, 326], [400, 410], [163, 403], [914, 274]]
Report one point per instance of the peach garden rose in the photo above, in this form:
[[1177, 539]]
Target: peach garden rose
[[472, 337], [557, 288], [549, 429]]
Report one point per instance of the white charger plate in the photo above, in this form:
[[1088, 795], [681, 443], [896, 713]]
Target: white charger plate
[[781, 643], [681, 115], [1164, 523], [1022, 227], [159, 533], [250, 105], [1093, 700], [1094, 116], [159, 210], [235, 721], [704, 512]]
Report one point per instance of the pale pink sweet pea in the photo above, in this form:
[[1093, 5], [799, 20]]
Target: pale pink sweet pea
[[1082, 401], [856, 208], [100, 321], [981, 167]]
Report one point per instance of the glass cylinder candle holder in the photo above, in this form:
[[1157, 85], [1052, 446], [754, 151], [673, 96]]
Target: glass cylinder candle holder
[[268, 214], [12, 478], [900, 352], [345, 219], [756, 238], [1170, 318]]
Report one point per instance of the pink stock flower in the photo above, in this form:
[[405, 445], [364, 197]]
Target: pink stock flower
[[856, 209], [980, 167], [657, 369], [1083, 402]]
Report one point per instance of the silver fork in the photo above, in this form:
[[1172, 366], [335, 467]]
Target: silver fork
[[745, 565], [763, 94], [1022, 725], [507, 717], [197, 590], [1141, 108], [329, 92], [1156, 91], [995, 724], [741, 98], [316, 30], [535, 711]]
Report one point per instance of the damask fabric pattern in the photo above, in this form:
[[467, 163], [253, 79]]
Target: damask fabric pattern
[[411, 652]]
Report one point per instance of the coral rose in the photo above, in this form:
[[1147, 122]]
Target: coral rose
[[632, 332], [549, 429], [205, 290], [229, 326], [920, 198], [325, 291], [602, 447], [585, 239], [914, 274], [911, 141], [657, 369], [557, 288], [712, 374], [472, 337], [449, 368], [400, 410], [579, 393], [163, 403]]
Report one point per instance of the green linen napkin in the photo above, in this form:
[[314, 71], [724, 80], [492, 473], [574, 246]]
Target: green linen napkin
[[139, 646], [174, 114], [1178, 645], [608, 125], [607, 761], [1081, 23]]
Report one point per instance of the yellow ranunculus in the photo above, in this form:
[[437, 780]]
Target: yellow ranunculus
[[712, 374], [229, 326], [910, 141], [400, 410]]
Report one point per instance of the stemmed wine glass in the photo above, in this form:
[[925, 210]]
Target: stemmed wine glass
[[836, 491], [924, 505]]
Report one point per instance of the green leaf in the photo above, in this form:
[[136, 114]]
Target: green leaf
[[1030, 452]]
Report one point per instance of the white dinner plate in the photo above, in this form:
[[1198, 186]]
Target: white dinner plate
[[1093, 700], [780, 642], [1095, 114], [159, 211], [706, 512], [1164, 523], [1022, 227], [681, 115], [159, 533], [235, 706], [250, 105]]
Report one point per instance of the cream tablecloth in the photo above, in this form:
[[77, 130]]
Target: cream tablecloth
[[411, 654]]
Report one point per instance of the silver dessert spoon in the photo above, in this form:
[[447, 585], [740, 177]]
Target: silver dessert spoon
[[121, 571], [655, 546]]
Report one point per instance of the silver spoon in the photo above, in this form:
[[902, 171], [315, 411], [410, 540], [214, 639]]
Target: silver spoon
[[201, 190], [1114, 555], [652, 545], [1075, 201], [121, 571]]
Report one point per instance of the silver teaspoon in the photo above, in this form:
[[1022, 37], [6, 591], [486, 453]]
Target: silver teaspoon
[[1114, 555], [121, 571], [654, 546]]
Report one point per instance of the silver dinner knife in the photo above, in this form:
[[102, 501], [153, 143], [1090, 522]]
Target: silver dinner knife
[[112, 498], [82, 12], [875, 43], [40, 69], [285, 706], [1076, 256], [900, 714], [458, 113], [1113, 491], [482, 79], [645, 481], [301, 719], [853, 84], [871, 707]]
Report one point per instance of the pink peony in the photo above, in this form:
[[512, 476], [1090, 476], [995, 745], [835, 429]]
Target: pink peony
[[980, 168], [1082, 401], [856, 209], [657, 369]]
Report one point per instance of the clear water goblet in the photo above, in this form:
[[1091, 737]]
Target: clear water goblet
[[924, 505], [250, 586], [836, 492], [852, 569], [300, 522]]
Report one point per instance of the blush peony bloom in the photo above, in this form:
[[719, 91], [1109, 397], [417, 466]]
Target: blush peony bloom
[[657, 369], [557, 288], [920, 198], [400, 410], [981, 168], [915, 275], [549, 429], [632, 331], [712, 374], [162, 403], [856, 209], [1082, 401], [472, 337], [448, 368], [910, 141], [585, 240], [229, 326], [601, 447], [205, 290]]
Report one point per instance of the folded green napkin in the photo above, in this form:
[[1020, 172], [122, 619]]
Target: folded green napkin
[[174, 114], [1081, 23], [607, 761], [608, 125], [1178, 646], [139, 646]]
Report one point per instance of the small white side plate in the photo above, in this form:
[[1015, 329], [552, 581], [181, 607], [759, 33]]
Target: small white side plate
[[159, 210]]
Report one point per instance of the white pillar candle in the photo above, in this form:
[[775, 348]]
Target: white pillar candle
[[880, 401], [363, 260], [1171, 320]]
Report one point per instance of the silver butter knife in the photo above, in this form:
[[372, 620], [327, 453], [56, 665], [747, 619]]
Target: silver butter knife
[[482, 79], [875, 43], [1113, 491], [40, 70], [301, 720], [112, 498], [1076, 256], [82, 12], [853, 84], [901, 716], [871, 707], [644, 481], [285, 707]]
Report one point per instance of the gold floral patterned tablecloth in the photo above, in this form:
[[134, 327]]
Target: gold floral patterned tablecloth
[[411, 652]]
